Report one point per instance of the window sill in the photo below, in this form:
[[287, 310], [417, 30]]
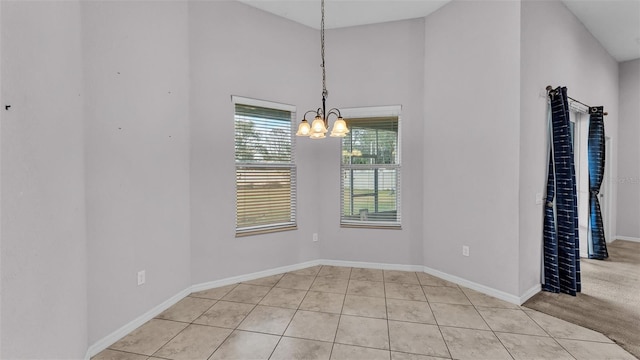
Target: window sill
[[266, 231], [372, 226]]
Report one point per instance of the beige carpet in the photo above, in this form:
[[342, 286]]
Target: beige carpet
[[610, 298]]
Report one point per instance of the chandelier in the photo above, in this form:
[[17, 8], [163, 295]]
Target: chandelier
[[319, 126]]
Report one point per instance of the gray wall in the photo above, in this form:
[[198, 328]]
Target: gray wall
[[629, 151], [471, 136], [556, 50], [372, 66], [1, 116], [137, 156], [262, 57], [44, 263]]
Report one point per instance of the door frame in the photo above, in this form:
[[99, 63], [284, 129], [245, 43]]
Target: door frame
[[580, 118], [606, 190]]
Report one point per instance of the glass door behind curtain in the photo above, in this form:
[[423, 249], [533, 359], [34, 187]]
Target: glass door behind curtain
[[580, 132]]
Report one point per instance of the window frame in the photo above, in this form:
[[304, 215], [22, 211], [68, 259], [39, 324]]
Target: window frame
[[373, 112], [265, 166]]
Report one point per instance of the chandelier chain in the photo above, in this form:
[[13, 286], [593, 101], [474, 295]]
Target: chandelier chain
[[320, 125], [325, 93]]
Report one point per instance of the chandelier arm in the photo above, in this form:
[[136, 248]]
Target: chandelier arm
[[305, 114], [334, 111]]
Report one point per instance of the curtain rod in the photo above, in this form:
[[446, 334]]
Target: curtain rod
[[549, 88]]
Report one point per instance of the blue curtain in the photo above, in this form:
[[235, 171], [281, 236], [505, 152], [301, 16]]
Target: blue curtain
[[597, 242], [561, 242]]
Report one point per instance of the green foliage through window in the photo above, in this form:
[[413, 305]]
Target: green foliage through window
[[265, 169]]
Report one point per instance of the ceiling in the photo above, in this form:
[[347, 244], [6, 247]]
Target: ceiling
[[615, 23]]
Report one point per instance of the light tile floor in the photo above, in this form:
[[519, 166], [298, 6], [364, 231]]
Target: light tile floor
[[328, 312]]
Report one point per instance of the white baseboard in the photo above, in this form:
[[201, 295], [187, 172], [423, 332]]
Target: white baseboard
[[474, 286], [627, 238], [529, 293], [127, 328], [370, 265], [454, 279], [108, 340], [256, 275], [137, 322]]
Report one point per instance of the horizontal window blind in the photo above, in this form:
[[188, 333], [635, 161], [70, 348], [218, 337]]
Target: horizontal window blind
[[265, 168], [370, 173], [264, 196], [263, 135]]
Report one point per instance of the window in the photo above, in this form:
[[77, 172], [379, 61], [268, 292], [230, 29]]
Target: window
[[370, 168], [265, 167]]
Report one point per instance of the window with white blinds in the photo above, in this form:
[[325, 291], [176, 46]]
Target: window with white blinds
[[265, 166], [370, 168]]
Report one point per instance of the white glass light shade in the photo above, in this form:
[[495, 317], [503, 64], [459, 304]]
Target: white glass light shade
[[304, 128], [317, 136], [339, 128], [318, 126], [318, 129]]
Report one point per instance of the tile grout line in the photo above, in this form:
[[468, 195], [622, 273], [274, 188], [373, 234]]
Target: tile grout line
[[384, 288], [551, 336], [173, 337], [434, 318], [190, 324], [236, 327], [232, 330], [344, 299], [489, 326], [122, 351], [295, 313]]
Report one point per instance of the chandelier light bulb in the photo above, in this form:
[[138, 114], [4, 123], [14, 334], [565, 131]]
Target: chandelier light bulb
[[339, 128], [318, 125], [304, 128]]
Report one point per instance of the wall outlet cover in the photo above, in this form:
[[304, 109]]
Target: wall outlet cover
[[141, 277]]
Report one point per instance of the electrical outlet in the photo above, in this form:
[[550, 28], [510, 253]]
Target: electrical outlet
[[315, 236], [465, 250], [141, 277], [538, 198]]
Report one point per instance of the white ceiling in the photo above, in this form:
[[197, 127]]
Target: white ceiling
[[615, 23], [344, 13]]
